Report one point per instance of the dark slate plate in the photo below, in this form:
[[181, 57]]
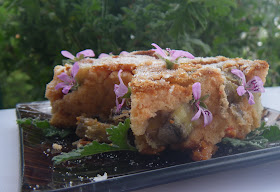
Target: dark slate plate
[[126, 170]]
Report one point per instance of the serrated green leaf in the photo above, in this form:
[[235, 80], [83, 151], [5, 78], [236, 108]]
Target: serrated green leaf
[[44, 125], [258, 143], [24, 121], [259, 138], [95, 148], [41, 124], [116, 134], [74, 154], [272, 134]]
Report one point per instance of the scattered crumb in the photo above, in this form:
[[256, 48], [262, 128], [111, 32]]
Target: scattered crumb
[[57, 146], [265, 119], [100, 177], [80, 143]]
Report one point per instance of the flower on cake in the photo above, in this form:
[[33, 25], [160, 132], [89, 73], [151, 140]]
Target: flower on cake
[[198, 102], [79, 56], [120, 91], [171, 56], [255, 85], [68, 81], [102, 55], [124, 53]]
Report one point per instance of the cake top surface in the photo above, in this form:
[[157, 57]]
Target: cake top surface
[[147, 65]]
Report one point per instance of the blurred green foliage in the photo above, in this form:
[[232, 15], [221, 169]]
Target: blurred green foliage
[[33, 32]]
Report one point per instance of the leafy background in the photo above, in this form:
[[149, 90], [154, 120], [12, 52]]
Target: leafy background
[[33, 33]]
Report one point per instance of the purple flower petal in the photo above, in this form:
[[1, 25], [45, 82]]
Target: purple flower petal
[[208, 117], [67, 54], [196, 90], [75, 69], [66, 89], [121, 89], [255, 85], [240, 74], [251, 98], [103, 55], [179, 53], [60, 85], [241, 90], [119, 106], [64, 77], [124, 53], [86, 53], [197, 115], [159, 51]]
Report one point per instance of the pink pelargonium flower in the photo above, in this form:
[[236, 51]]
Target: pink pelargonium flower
[[111, 54], [170, 54], [83, 54], [68, 81], [102, 55], [124, 53], [120, 90], [208, 117], [255, 85]]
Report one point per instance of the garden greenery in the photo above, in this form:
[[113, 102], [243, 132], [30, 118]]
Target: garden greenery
[[33, 33]]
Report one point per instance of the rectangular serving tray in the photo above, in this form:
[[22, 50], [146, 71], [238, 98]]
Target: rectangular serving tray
[[126, 170]]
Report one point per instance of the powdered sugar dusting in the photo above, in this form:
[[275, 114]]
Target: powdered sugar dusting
[[153, 69], [171, 89]]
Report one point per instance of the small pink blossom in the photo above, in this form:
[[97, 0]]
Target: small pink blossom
[[120, 90], [124, 53], [84, 53], [255, 85], [68, 81], [196, 89], [170, 54], [103, 55], [111, 54]]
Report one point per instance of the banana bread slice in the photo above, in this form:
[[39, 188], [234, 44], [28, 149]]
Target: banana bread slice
[[163, 105]]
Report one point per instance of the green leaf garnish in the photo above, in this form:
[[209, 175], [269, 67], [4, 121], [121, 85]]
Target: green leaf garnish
[[44, 125], [258, 139], [116, 134], [24, 121], [272, 133], [257, 143]]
